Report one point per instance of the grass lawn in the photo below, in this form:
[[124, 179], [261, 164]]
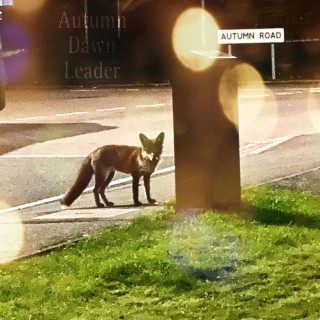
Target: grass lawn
[[261, 264]]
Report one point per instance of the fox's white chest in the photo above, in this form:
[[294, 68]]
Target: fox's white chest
[[147, 163]]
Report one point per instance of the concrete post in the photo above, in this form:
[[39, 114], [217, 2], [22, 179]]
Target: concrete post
[[206, 141]]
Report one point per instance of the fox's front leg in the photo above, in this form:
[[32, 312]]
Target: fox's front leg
[[146, 179], [135, 190]]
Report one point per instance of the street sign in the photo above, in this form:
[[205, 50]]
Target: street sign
[[6, 3], [235, 36]]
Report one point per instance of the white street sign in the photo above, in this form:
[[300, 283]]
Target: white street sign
[[273, 35]]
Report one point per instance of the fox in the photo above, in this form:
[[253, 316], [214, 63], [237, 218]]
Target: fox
[[139, 161]]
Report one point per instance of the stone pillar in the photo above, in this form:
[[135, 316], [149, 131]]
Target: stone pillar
[[206, 139]]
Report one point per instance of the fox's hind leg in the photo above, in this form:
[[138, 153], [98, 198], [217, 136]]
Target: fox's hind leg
[[100, 179], [103, 189]]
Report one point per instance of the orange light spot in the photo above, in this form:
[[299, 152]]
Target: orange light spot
[[11, 237], [27, 6], [257, 105], [194, 39]]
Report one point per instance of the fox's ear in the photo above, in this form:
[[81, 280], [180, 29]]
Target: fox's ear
[[143, 139], [160, 138]]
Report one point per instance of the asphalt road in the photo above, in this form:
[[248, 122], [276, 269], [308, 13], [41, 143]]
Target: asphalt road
[[42, 146], [45, 133]]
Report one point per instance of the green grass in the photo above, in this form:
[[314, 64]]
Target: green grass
[[263, 263]]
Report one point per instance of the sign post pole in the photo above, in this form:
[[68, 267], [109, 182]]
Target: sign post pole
[[273, 62]]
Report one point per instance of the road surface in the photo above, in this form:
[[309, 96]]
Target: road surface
[[45, 133]]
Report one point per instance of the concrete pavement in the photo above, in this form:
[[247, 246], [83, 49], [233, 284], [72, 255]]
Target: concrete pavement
[[46, 227], [293, 164], [38, 230]]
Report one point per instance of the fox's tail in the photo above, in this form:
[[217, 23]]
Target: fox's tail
[[83, 178]]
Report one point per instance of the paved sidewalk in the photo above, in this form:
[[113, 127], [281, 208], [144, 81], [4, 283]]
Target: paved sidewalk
[[40, 229], [37, 230]]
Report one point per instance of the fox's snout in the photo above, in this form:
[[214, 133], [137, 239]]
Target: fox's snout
[[154, 157]]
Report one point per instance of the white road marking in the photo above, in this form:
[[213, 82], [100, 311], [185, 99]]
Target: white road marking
[[57, 198], [289, 176], [266, 145], [157, 105], [32, 204], [110, 109], [262, 95], [284, 93], [46, 156], [248, 146], [31, 118], [65, 114], [314, 90], [254, 96], [245, 97], [53, 156], [83, 90], [271, 145], [71, 114]]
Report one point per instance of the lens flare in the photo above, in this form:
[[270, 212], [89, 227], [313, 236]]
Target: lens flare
[[257, 106], [27, 6], [314, 108], [228, 95], [19, 62], [208, 249], [194, 39], [11, 237]]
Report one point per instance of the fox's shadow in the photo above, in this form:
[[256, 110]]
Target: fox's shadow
[[119, 206]]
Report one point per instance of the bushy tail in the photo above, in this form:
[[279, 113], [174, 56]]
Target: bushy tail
[[83, 178]]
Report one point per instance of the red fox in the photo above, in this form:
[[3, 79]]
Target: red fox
[[104, 161]]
